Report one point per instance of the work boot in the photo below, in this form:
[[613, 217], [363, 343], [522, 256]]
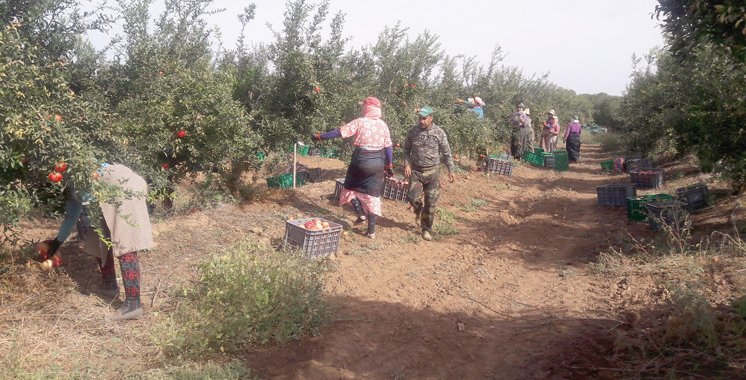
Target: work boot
[[358, 210], [372, 218], [426, 236], [130, 309]]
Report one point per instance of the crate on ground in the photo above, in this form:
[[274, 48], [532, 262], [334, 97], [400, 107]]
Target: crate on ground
[[670, 213], [549, 161], [607, 166], [615, 194], [693, 196], [533, 158], [395, 188], [311, 242], [636, 205], [538, 150], [561, 161], [647, 178], [339, 184], [632, 163], [499, 166], [285, 181]]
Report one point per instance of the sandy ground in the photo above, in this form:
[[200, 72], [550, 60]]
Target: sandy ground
[[508, 297]]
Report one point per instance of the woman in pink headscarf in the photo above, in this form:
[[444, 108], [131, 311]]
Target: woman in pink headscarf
[[371, 159]]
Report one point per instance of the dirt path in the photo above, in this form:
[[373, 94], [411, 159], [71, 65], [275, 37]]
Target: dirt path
[[507, 297]]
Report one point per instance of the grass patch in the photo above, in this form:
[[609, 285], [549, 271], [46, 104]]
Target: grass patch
[[474, 205], [443, 225], [249, 295], [227, 371]]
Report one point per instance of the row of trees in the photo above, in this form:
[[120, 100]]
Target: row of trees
[[689, 96], [163, 101]]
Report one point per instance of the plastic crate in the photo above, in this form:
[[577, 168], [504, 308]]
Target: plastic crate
[[670, 213], [607, 166], [549, 161], [561, 161], [533, 158], [285, 181], [615, 194], [694, 196], [339, 184], [395, 188], [499, 166], [632, 163], [647, 178], [313, 243], [636, 205]]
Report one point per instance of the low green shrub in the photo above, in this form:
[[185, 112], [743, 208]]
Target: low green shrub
[[249, 295]]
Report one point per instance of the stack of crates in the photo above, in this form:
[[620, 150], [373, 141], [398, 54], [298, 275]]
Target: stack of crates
[[636, 211], [561, 161], [615, 194], [313, 243], [694, 197]]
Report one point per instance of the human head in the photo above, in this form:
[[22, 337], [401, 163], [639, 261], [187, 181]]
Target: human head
[[479, 101], [519, 106], [551, 113], [575, 118], [371, 107], [425, 114]]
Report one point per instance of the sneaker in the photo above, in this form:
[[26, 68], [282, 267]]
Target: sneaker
[[125, 313], [426, 235], [371, 236]]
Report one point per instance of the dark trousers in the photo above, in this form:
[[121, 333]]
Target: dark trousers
[[427, 181]]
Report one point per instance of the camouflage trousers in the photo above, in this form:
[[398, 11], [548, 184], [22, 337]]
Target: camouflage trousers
[[427, 181]]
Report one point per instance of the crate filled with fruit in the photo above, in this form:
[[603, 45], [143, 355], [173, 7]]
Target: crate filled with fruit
[[315, 237]]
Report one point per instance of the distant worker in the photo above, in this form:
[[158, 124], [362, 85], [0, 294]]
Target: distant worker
[[475, 105], [520, 130], [425, 147], [550, 132], [572, 139]]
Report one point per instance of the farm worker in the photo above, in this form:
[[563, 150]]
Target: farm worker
[[475, 105], [522, 133], [372, 158], [550, 132], [424, 148], [125, 225], [572, 139]]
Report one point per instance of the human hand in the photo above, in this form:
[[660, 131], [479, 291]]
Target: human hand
[[389, 171], [407, 171], [316, 136], [451, 177]]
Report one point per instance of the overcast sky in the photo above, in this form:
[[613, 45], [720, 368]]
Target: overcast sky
[[584, 45]]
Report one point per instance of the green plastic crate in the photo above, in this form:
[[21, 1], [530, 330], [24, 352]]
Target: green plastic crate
[[285, 181], [561, 162], [302, 150], [636, 205], [607, 165], [533, 158]]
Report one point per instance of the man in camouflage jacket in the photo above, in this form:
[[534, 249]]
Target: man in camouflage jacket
[[426, 145]]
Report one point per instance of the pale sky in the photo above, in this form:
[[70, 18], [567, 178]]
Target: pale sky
[[584, 45]]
